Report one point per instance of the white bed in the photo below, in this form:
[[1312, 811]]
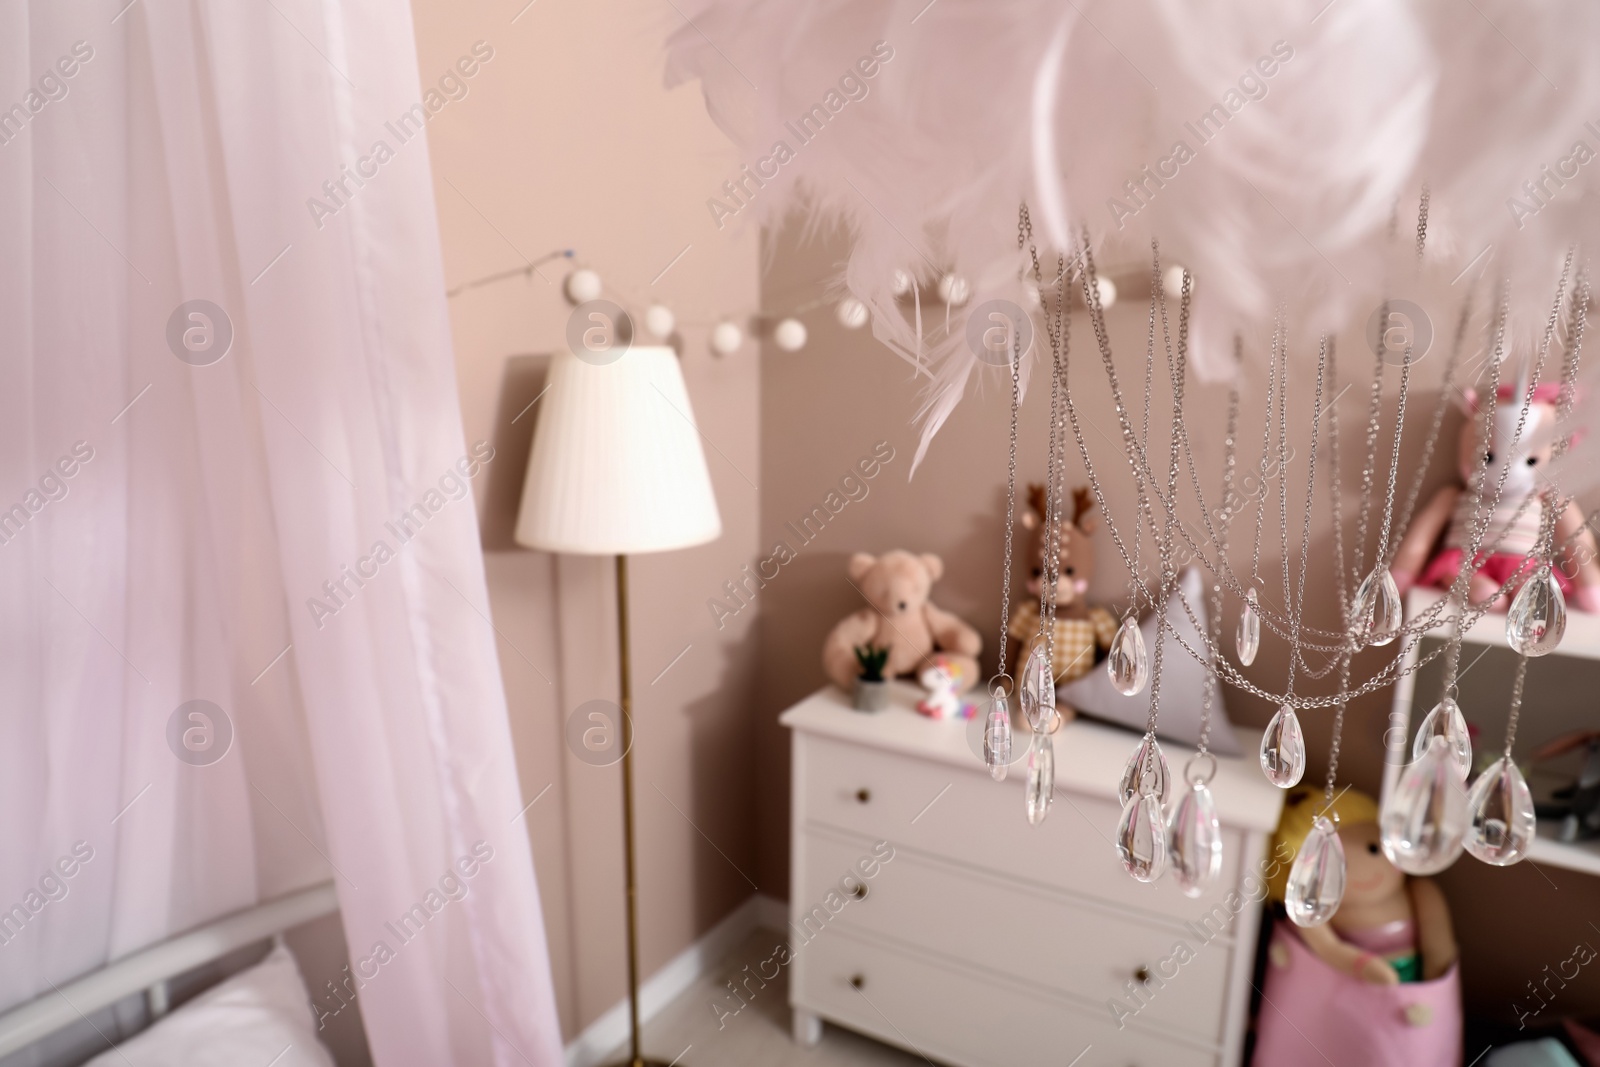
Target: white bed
[[260, 1014]]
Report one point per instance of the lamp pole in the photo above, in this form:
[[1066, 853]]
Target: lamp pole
[[636, 1056]]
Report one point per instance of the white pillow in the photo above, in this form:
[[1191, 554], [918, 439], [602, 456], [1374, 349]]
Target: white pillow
[[259, 1016]]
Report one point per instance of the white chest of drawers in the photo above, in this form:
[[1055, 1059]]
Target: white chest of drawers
[[982, 941]]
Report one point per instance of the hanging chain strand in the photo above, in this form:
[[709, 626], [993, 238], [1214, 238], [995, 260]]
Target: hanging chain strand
[[1213, 683], [1555, 504], [1177, 371], [1516, 705], [1011, 490], [1439, 408], [1266, 446], [1370, 464], [1381, 552], [1058, 443], [1305, 529]]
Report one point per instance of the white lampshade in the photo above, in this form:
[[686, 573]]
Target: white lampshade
[[617, 466]]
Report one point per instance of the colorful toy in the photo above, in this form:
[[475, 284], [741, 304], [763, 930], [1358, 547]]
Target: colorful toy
[[944, 681], [1377, 986], [1434, 546], [1082, 633], [901, 618]]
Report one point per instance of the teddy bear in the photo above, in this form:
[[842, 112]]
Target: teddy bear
[[1377, 984], [901, 618], [1434, 546], [1083, 633]]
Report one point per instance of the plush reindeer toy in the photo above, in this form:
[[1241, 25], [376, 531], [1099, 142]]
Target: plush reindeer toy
[[1083, 633]]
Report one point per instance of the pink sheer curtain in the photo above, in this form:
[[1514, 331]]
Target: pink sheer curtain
[[218, 535]]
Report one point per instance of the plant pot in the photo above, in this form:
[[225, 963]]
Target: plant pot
[[872, 696]]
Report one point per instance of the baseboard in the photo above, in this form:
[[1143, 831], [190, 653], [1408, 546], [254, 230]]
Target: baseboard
[[610, 1030]]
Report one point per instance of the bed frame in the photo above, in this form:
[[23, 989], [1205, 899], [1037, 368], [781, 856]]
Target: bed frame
[[149, 970]]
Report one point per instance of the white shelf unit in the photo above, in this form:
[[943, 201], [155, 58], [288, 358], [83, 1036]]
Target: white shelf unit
[[1581, 641]]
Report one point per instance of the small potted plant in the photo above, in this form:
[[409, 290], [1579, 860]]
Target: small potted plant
[[872, 688]]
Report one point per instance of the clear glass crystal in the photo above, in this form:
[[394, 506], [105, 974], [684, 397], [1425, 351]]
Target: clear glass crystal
[[1283, 749], [1376, 616], [1425, 820], [1142, 838], [1041, 777], [1445, 721], [1538, 616], [1128, 663], [1247, 638], [1316, 880], [997, 737], [1037, 692], [1195, 840], [1146, 772], [1500, 808]]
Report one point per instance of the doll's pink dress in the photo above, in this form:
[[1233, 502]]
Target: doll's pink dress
[[1313, 1014]]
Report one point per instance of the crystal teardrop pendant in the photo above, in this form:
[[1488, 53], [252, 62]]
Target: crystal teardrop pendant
[[1375, 616], [1538, 616], [1041, 777], [1425, 820], [1247, 638], [1445, 721], [1142, 838], [1316, 880], [1283, 749], [1195, 840], [1037, 692], [1146, 772], [997, 737], [1128, 663], [1500, 808]]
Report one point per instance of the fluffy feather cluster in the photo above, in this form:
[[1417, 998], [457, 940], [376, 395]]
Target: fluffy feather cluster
[[1278, 151]]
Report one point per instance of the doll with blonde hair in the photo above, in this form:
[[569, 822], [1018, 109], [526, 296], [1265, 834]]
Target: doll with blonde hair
[[1377, 984]]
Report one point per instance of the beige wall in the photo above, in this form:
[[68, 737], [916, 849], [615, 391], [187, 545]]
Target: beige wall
[[567, 139], [823, 407]]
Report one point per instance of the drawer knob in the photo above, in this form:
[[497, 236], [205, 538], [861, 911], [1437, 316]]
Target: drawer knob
[[860, 891], [857, 981], [1142, 974], [863, 795]]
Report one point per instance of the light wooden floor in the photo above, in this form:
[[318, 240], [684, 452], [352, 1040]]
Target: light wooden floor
[[687, 1031]]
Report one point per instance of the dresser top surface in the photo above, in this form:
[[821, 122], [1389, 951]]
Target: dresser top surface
[[1090, 756]]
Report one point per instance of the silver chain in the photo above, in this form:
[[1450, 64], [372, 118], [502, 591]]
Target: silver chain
[[1177, 371], [1311, 484], [1011, 497]]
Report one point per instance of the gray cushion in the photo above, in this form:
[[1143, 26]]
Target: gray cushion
[[1183, 682]]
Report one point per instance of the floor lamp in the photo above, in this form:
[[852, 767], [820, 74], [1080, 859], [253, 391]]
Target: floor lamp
[[616, 470]]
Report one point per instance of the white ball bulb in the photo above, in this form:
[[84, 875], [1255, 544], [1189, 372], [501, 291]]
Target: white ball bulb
[[726, 338], [900, 284], [1108, 291], [1031, 293], [1172, 281], [852, 313], [659, 320], [582, 286], [954, 290], [790, 335]]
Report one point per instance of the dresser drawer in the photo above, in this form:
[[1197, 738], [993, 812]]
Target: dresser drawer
[[948, 1015], [964, 815], [1042, 939]]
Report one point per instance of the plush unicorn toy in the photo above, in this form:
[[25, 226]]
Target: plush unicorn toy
[[1433, 549]]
